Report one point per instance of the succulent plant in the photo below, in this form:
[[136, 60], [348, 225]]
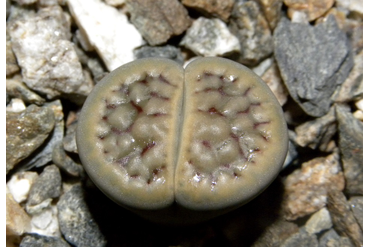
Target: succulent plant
[[182, 145]]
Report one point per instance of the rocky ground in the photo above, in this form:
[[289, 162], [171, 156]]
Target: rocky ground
[[309, 52]]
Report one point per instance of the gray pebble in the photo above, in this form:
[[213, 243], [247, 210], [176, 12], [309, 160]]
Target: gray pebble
[[248, 23], [75, 220], [351, 148], [313, 62], [64, 162], [47, 185]]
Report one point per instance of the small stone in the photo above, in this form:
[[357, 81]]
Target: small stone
[[210, 37], [306, 188], [343, 219], [301, 238], [272, 11], [48, 60], [47, 185], [299, 17], [36, 240], [313, 9], [45, 222], [25, 132], [44, 154], [273, 79], [351, 5], [313, 62], [168, 51], [357, 207], [157, 21], [64, 162], [263, 66], [107, 30], [351, 148], [11, 62], [76, 223], [276, 234], [15, 105], [216, 8], [360, 104], [352, 87], [20, 184], [15, 88], [359, 115], [17, 220], [319, 222], [317, 133], [69, 140], [248, 23]]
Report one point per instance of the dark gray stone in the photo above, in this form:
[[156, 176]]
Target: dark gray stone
[[313, 62], [157, 21], [343, 219], [64, 162], [44, 154], [36, 240], [75, 220], [25, 132], [47, 185], [248, 23], [351, 148], [168, 51], [301, 238]]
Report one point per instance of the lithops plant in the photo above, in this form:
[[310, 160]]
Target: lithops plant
[[175, 144]]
